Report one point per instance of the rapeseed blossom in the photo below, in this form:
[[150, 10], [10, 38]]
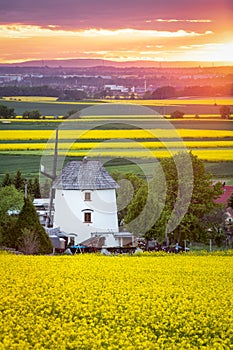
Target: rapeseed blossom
[[7, 135], [116, 302]]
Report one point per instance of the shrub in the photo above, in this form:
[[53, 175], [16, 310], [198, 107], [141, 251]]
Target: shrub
[[28, 242], [177, 114], [28, 219]]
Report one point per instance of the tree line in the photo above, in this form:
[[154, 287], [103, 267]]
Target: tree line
[[165, 92], [162, 92], [203, 220], [61, 94], [20, 183], [20, 227]]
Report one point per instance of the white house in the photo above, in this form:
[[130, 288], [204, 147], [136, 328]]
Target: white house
[[85, 201]]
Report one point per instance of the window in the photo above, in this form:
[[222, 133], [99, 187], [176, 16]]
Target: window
[[87, 217], [87, 196]]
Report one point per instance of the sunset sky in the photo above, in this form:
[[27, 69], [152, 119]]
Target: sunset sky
[[120, 30]]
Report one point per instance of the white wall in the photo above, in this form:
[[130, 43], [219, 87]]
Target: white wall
[[69, 212]]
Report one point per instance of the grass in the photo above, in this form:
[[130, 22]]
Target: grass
[[45, 108], [29, 165]]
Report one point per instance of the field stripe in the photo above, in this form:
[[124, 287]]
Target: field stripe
[[112, 134]]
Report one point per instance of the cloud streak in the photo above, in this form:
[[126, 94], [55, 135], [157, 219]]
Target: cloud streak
[[179, 20], [27, 31]]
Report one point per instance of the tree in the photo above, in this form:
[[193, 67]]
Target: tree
[[33, 114], [19, 181], [73, 95], [145, 209], [25, 114], [230, 201], [202, 201], [28, 219], [177, 114], [147, 95], [6, 112], [36, 188], [72, 112], [213, 223], [102, 94], [225, 112], [11, 201], [30, 188], [164, 92], [129, 184], [7, 180], [45, 190]]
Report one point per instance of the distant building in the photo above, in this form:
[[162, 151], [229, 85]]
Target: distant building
[[42, 208], [113, 87], [227, 191]]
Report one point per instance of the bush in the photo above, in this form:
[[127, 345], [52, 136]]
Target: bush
[[34, 114], [6, 112], [28, 219], [225, 112], [177, 114], [28, 243]]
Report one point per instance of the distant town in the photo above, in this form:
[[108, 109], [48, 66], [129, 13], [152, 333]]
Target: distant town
[[102, 80]]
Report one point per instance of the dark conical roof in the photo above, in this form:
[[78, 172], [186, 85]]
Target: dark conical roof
[[84, 175]]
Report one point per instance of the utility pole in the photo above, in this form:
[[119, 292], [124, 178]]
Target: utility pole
[[52, 177]]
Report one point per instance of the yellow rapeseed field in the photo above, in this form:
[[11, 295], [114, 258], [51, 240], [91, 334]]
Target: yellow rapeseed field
[[212, 155], [112, 134], [168, 102], [173, 102], [118, 302], [30, 98], [114, 145], [213, 145]]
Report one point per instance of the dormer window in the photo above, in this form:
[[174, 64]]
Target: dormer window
[[87, 196]]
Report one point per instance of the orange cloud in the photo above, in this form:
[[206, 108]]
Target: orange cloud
[[23, 42]]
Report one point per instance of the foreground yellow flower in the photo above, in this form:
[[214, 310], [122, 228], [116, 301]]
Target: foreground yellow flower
[[116, 302]]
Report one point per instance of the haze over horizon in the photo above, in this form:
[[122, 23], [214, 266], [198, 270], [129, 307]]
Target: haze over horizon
[[160, 31]]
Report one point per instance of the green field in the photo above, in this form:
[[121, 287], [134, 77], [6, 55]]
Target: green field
[[50, 107], [204, 132]]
